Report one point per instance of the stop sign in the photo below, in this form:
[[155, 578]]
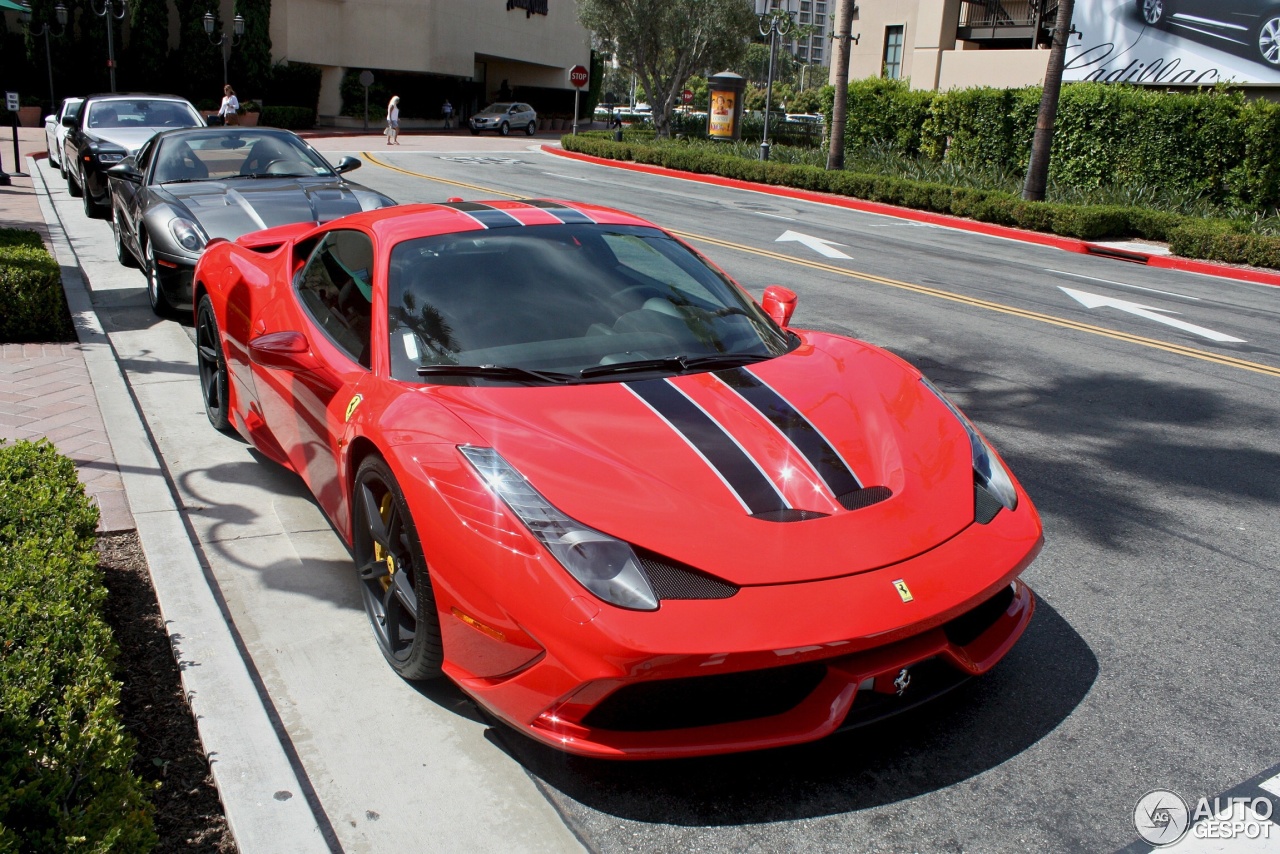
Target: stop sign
[[578, 76], [687, 94]]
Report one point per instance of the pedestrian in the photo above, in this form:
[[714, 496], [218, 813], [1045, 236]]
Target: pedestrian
[[393, 121], [229, 112], [447, 110]]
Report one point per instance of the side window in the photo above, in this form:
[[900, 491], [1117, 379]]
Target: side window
[[335, 287]]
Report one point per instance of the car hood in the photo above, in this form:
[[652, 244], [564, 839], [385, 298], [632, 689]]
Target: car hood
[[229, 209], [636, 460], [130, 139]]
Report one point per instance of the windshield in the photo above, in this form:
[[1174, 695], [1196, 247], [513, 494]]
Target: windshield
[[236, 153], [141, 113], [494, 109], [582, 302]]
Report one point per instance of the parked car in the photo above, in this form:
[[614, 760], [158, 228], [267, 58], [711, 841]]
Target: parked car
[[55, 132], [504, 117], [108, 129], [628, 509], [187, 187], [1255, 24]]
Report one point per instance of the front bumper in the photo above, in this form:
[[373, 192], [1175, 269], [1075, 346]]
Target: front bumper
[[770, 666], [175, 275]]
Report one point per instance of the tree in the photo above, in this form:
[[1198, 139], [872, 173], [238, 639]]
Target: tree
[[663, 42], [1042, 144], [250, 64], [146, 60], [839, 110]]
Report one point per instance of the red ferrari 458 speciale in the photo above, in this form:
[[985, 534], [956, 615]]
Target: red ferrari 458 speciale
[[629, 510]]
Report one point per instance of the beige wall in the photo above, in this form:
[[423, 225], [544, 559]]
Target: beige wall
[[1010, 68]]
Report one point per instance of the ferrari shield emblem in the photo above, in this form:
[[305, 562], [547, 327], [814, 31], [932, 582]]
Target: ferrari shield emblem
[[351, 407], [903, 590]]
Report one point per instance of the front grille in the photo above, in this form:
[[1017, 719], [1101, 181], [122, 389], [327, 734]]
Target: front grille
[[967, 627], [706, 700], [985, 505], [672, 581], [865, 497]]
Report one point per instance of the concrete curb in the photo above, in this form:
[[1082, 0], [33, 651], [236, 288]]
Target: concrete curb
[[264, 797], [1069, 244]]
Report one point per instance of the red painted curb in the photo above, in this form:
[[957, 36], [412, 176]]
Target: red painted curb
[[1069, 244]]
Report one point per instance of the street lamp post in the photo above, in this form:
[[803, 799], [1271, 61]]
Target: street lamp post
[[108, 12], [25, 17], [773, 23], [237, 32]]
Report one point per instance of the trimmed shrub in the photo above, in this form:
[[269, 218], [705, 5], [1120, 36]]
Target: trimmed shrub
[[35, 308], [65, 779], [290, 118]]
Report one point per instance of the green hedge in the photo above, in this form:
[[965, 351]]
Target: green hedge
[[1193, 237], [65, 778], [291, 118], [1209, 144], [35, 308]]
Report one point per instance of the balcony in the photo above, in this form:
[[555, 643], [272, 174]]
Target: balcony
[[1007, 23]]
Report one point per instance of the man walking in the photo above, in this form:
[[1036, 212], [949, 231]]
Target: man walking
[[447, 110]]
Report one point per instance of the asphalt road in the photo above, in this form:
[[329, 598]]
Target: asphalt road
[[1150, 449]]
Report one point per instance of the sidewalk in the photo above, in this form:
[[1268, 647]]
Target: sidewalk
[[45, 389]]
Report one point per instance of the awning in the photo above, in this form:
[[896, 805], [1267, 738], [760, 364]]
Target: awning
[[11, 6]]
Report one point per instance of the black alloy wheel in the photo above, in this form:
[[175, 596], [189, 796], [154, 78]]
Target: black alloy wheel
[[532, 128], [212, 363], [155, 291], [504, 129], [394, 582], [1268, 40], [123, 255]]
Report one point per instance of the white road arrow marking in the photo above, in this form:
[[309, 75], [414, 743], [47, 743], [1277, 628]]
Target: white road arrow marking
[[1089, 300], [817, 244]]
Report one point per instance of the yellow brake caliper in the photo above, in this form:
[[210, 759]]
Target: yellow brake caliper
[[380, 553]]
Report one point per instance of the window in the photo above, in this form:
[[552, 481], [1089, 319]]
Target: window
[[335, 287], [893, 52]]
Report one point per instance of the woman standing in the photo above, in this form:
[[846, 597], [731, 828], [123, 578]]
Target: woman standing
[[393, 121], [230, 109]]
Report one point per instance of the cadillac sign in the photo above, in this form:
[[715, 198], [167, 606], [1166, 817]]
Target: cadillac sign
[[1175, 41]]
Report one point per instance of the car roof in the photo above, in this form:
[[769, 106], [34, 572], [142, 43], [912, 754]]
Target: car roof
[[405, 222], [134, 96]]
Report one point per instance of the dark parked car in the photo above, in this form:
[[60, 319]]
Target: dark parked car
[[186, 187], [108, 129], [1255, 24]]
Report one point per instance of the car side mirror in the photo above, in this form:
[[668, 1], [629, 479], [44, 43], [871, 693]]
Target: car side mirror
[[126, 171], [348, 163], [283, 351], [779, 303], [69, 121]]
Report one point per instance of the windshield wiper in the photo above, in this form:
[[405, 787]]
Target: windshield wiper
[[495, 372], [675, 363]]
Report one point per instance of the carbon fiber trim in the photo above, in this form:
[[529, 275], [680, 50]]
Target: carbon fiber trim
[[861, 498], [671, 581], [985, 505], [489, 217], [566, 214]]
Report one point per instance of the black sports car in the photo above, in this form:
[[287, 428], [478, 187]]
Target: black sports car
[[186, 187], [108, 129], [1255, 24]]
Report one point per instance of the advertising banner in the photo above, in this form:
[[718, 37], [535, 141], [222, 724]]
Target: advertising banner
[[1175, 41], [720, 122]]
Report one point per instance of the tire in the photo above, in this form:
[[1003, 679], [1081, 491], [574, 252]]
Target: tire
[[504, 129], [155, 292], [531, 128], [1152, 12], [73, 189], [123, 255], [91, 208], [211, 362], [1267, 41], [395, 584], [475, 132]]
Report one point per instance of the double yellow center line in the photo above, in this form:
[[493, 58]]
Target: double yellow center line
[[1026, 314]]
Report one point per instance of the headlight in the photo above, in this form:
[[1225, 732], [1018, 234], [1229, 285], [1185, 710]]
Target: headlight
[[605, 565], [187, 234], [110, 156], [987, 469]]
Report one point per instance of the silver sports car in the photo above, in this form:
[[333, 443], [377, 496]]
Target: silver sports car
[[186, 187]]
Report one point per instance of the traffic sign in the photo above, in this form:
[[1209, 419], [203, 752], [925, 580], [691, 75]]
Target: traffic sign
[[579, 76], [687, 95], [11, 101]]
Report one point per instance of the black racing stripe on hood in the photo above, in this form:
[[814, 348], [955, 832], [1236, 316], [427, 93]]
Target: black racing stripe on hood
[[797, 429], [566, 214], [489, 217], [725, 456]]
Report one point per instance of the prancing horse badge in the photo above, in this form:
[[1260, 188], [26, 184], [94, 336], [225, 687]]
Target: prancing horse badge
[[903, 590]]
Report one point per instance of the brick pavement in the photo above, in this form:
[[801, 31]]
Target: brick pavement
[[45, 389]]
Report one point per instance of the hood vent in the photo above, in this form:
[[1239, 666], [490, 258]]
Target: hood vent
[[861, 498], [674, 581], [788, 515]]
